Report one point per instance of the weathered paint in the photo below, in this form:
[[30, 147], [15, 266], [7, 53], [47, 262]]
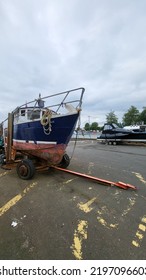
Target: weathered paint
[[136, 244], [139, 235], [68, 181], [132, 201], [140, 232], [16, 198], [86, 206], [143, 220], [142, 227], [80, 234], [90, 166], [140, 177], [4, 173], [104, 223]]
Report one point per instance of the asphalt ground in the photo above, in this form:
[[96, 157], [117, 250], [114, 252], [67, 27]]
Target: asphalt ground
[[60, 216]]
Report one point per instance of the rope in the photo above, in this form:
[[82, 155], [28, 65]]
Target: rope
[[46, 121]]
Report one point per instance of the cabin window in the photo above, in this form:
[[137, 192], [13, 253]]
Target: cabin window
[[29, 112], [33, 114], [22, 112]]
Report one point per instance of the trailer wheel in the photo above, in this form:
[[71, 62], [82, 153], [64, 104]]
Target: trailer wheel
[[65, 161], [25, 169]]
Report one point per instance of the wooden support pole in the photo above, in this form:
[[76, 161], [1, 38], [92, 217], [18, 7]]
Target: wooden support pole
[[9, 137]]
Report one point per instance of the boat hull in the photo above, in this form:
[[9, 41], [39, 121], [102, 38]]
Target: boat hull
[[35, 139], [121, 135]]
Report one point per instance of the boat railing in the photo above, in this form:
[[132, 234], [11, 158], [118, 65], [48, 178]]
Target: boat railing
[[73, 96], [61, 98]]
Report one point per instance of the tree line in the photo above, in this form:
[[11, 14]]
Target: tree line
[[132, 117]]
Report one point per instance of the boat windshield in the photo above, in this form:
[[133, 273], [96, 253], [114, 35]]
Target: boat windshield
[[110, 126], [115, 125]]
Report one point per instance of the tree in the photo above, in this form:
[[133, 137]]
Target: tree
[[142, 116], [111, 117], [87, 126], [94, 126], [132, 116]]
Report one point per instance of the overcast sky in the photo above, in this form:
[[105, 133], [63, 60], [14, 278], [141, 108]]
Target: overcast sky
[[50, 46]]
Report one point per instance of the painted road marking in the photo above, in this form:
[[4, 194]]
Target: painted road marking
[[140, 233], [79, 235], [65, 183], [105, 211], [140, 177], [15, 199], [90, 167], [104, 223], [68, 181], [132, 201], [4, 173], [86, 206]]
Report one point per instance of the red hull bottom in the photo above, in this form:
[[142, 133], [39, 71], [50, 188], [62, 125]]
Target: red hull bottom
[[52, 153]]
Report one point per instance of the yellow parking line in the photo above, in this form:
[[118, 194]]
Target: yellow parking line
[[105, 212], [4, 173], [16, 198], [132, 202], [140, 233], [79, 235], [140, 177], [104, 223], [86, 206]]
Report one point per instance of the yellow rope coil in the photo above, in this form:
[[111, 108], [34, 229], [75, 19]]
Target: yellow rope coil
[[45, 120]]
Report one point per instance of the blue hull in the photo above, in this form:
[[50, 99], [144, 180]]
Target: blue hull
[[62, 128]]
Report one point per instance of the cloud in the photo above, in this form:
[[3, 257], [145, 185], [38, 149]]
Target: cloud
[[51, 46]]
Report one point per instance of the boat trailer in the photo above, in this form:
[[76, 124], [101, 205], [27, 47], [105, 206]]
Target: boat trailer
[[25, 169]]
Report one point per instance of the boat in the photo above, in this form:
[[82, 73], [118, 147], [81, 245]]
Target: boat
[[41, 129], [113, 134]]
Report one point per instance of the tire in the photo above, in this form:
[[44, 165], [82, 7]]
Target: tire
[[25, 169], [65, 161]]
